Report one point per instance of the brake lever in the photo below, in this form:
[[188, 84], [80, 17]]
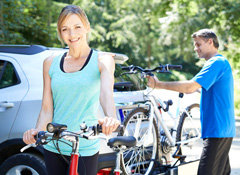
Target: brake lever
[[100, 136], [28, 146]]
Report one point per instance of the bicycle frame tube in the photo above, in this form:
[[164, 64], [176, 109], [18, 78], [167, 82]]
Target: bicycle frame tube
[[74, 158], [160, 120], [138, 125], [74, 164], [174, 118]]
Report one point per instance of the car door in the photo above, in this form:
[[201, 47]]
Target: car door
[[13, 87]]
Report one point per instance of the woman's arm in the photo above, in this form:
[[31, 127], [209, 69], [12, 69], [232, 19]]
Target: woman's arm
[[106, 66], [46, 113]]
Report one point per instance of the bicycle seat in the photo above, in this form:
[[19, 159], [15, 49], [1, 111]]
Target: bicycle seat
[[128, 141]]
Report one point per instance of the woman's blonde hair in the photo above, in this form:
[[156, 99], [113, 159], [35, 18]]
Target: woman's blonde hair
[[69, 10]]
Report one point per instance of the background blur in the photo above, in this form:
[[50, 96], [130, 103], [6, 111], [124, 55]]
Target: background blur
[[148, 31]]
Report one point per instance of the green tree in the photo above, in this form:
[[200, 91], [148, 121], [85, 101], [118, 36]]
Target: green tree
[[25, 21]]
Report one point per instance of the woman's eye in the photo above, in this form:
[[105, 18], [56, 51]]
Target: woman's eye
[[64, 30], [78, 27]]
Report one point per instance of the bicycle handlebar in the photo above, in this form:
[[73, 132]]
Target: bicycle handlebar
[[57, 131], [160, 69]]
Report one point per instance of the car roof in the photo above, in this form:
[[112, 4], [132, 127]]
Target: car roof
[[22, 49], [35, 49]]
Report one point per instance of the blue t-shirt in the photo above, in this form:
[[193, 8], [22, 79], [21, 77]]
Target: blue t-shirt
[[217, 98]]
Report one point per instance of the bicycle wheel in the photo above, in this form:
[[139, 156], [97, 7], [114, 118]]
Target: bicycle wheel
[[189, 130], [141, 158]]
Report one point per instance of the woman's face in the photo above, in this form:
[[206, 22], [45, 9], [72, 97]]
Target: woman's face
[[73, 32]]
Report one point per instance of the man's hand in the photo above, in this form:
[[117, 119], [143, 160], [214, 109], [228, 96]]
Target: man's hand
[[152, 81], [108, 124]]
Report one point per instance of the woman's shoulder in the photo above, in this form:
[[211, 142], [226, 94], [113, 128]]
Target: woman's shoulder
[[105, 57], [48, 61], [106, 61]]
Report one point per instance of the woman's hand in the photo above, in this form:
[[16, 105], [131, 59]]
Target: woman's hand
[[28, 136], [109, 124]]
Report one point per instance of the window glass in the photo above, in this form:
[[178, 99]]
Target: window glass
[[8, 75], [1, 66]]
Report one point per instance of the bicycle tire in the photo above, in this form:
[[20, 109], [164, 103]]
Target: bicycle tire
[[140, 159], [187, 130]]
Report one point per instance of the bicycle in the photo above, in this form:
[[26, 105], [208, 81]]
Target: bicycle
[[144, 123], [56, 131]]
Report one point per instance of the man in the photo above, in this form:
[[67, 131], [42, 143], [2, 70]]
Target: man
[[217, 103]]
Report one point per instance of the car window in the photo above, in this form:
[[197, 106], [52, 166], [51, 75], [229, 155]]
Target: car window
[[8, 75], [126, 82]]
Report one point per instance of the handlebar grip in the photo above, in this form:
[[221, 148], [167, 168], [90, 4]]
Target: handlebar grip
[[98, 129], [174, 66], [39, 135]]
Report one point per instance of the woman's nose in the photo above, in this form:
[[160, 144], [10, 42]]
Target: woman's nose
[[71, 32]]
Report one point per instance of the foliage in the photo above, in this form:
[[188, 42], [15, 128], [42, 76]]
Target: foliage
[[25, 21]]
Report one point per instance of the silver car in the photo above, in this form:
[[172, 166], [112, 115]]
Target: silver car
[[20, 102]]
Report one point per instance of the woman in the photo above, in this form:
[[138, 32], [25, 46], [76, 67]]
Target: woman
[[73, 84]]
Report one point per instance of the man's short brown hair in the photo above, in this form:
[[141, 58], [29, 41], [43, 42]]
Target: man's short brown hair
[[207, 34]]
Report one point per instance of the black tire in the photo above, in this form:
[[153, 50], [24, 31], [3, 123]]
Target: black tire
[[145, 154], [25, 163], [186, 130]]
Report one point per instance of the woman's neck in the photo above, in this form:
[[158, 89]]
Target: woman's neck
[[79, 52]]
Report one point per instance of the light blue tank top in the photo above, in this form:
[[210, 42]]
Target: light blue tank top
[[76, 99]]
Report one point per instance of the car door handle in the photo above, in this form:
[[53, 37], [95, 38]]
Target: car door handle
[[6, 105]]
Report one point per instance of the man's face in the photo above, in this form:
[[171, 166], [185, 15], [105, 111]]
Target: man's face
[[202, 47]]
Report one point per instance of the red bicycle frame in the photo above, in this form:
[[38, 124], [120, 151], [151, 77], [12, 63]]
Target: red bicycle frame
[[73, 170], [74, 165]]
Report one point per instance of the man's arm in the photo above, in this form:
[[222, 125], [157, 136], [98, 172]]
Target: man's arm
[[188, 86]]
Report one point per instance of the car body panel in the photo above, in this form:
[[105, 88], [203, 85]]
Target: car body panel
[[8, 114]]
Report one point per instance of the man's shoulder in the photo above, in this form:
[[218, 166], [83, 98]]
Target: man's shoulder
[[217, 61]]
